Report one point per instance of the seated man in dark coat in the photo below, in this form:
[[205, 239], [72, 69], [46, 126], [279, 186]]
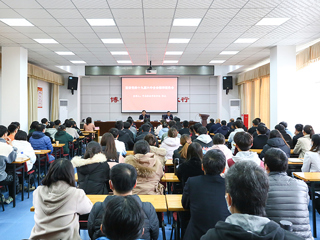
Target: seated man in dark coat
[[261, 139], [210, 124], [207, 203], [255, 123], [167, 116], [297, 134], [215, 126], [126, 129], [185, 129], [223, 129], [124, 136], [204, 139], [144, 115]]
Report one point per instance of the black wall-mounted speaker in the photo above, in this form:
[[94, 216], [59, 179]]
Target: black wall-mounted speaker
[[227, 82], [72, 83]]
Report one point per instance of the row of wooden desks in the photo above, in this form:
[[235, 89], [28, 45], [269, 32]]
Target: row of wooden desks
[[260, 150]]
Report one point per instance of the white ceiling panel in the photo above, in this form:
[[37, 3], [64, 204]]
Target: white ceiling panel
[[127, 13], [129, 22], [194, 4], [159, 4], [44, 22], [125, 4], [190, 13], [262, 4], [65, 13], [9, 13], [96, 13], [73, 22], [56, 4], [149, 22], [222, 13], [21, 4], [33, 13], [90, 4], [159, 13]]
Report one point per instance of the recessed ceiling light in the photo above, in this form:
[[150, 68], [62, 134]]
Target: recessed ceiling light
[[272, 21], [174, 52], [124, 61], [45, 40], [64, 53], [112, 40], [170, 61], [16, 22], [186, 22], [119, 53], [179, 40], [228, 52], [217, 61], [246, 40], [78, 62], [101, 22]]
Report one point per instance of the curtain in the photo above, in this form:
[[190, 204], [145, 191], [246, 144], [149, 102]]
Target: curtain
[[265, 100], [32, 100], [54, 102], [39, 73]]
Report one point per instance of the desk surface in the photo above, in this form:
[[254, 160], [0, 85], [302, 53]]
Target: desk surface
[[37, 152], [81, 137], [174, 202], [130, 153], [58, 145], [21, 160], [295, 161], [169, 162], [76, 177], [88, 131], [170, 177], [308, 176], [158, 201], [260, 150]]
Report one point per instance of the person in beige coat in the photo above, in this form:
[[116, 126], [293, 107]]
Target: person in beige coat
[[149, 169], [160, 153], [58, 204], [304, 143]]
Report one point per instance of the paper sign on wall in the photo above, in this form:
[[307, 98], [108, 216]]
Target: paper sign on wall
[[40, 97]]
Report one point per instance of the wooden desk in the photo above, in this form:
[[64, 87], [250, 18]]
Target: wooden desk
[[295, 161], [260, 150], [170, 177], [174, 202], [76, 177], [58, 145], [312, 178], [39, 152], [169, 163], [158, 201], [130, 153], [81, 137], [211, 134], [57, 149]]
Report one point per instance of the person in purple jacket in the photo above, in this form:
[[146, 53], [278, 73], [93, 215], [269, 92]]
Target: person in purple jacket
[[223, 129]]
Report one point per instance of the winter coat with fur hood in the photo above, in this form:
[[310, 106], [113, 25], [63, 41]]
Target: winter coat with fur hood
[[160, 153], [150, 172], [93, 173]]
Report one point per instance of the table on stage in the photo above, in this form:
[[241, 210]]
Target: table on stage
[[312, 178], [39, 158]]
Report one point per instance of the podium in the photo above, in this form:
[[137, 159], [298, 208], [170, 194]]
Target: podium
[[204, 118]]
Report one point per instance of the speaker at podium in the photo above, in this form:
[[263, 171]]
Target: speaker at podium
[[204, 118]]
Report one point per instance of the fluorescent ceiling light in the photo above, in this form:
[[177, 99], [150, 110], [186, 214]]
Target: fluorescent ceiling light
[[217, 61], [228, 52], [124, 61], [78, 62], [16, 22], [112, 40], [64, 53], [246, 40], [174, 52], [179, 40], [272, 21], [170, 61], [101, 22], [44, 40], [186, 22], [119, 53]]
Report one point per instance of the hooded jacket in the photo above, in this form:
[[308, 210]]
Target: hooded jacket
[[39, 141], [150, 172], [7, 155], [275, 143], [214, 127], [231, 136], [56, 211], [288, 199], [160, 153], [204, 140], [226, 151], [64, 137], [244, 227], [303, 145], [245, 156], [151, 223], [170, 144], [25, 150], [223, 130], [93, 173], [51, 131]]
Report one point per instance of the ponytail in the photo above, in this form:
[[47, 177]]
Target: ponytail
[[308, 129]]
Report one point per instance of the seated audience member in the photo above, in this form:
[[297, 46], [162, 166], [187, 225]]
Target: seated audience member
[[207, 203], [215, 126], [283, 191], [158, 128], [232, 128], [230, 122], [145, 129], [149, 169], [276, 141], [73, 132], [171, 124], [255, 134], [204, 139], [126, 129], [238, 128], [185, 129], [285, 124], [120, 146], [33, 126], [192, 166], [58, 204], [223, 129], [194, 131], [132, 128], [246, 194], [123, 179], [24, 148], [12, 131], [93, 170], [51, 130], [8, 154], [171, 143], [147, 122], [160, 153], [178, 123], [74, 125], [210, 124], [39, 141], [311, 161], [63, 137], [17, 124], [181, 152], [57, 123], [261, 139], [255, 123], [304, 143], [167, 116], [243, 126], [297, 134], [244, 141], [109, 149], [89, 126], [44, 121], [144, 115], [219, 144], [285, 135], [124, 136]]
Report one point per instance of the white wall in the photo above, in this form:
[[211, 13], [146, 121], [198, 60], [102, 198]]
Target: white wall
[[44, 112]]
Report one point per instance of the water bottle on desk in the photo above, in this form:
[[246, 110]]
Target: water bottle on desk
[[176, 162]]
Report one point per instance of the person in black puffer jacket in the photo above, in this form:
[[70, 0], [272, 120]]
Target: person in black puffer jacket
[[285, 135], [276, 141], [93, 170]]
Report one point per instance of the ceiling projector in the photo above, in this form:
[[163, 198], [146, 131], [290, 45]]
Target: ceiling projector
[[150, 70]]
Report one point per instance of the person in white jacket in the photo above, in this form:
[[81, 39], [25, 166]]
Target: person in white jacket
[[24, 148], [239, 128], [171, 143], [304, 143], [311, 161]]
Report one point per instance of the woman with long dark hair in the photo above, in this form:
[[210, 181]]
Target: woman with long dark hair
[[109, 149], [311, 162], [304, 143], [276, 140]]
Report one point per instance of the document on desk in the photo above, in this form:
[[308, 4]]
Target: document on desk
[[295, 160]]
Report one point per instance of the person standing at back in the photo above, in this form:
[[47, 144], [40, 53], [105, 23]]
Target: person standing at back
[[304, 143]]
